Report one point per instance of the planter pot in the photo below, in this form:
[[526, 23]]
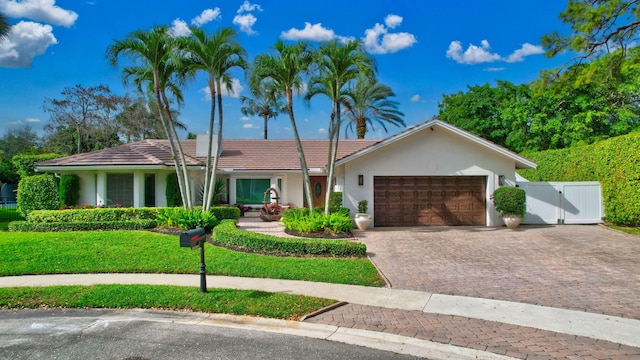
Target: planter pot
[[363, 221], [512, 221]]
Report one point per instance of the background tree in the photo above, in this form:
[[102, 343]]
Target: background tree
[[369, 102], [597, 27], [16, 142], [265, 103], [139, 120], [154, 53], [338, 64], [286, 70], [89, 112], [215, 54]]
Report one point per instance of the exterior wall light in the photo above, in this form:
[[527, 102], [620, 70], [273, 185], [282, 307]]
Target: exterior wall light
[[360, 179], [500, 180]]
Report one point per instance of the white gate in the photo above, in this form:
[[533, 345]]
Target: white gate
[[563, 202]]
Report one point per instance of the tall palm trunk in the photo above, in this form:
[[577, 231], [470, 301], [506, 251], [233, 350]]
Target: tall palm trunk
[[303, 162], [219, 143], [333, 153], [165, 126], [208, 175], [266, 119], [183, 161], [361, 127]]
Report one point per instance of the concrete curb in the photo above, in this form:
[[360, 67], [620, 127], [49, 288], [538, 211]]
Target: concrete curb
[[371, 339]]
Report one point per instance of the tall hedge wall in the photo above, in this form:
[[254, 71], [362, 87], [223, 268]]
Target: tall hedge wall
[[615, 163]]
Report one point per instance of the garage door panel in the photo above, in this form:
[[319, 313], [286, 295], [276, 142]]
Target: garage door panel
[[429, 200]]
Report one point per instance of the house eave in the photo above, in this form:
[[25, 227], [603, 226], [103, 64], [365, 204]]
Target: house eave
[[521, 162]]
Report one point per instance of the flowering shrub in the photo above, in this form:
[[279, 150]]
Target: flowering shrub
[[510, 201]]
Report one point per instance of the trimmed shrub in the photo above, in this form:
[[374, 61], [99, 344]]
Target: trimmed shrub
[[227, 233], [335, 202], [24, 226], [225, 212], [186, 219], [305, 222], [69, 190], [25, 164], [172, 191], [38, 192], [510, 200], [92, 215], [614, 162]]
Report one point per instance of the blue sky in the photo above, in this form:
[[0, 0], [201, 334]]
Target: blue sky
[[423, 49]]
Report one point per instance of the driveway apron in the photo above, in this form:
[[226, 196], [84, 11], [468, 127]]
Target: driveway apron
[[579, 267]]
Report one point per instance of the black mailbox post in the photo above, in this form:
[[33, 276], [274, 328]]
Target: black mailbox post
[[194, 239]]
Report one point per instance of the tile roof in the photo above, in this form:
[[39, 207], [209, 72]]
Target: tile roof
[[236, 154]]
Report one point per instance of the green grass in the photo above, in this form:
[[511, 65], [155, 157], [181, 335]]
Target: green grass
[[147, 252], [628, 230], [8, 215], [240, 302]]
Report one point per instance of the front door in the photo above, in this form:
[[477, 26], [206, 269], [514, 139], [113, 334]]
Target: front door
[[318, 190]]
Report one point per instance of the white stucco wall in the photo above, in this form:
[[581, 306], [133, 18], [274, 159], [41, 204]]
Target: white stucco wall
[[436, 152]]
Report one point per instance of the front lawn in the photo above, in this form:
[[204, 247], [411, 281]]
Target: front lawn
[[239, 302], [147, 252], [628, 230]]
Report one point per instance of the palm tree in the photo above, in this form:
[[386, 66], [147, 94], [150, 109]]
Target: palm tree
[[155, 50], [285, 70], [368, 103], [338, 64], [4, 27], [215, 54], [265, 103]]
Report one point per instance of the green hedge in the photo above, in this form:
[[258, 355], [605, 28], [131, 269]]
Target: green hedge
[[25, 164], [38, 192], [615, 163], [225, 212], [228, 233], [69, 190], [24, 226], [92, 215]]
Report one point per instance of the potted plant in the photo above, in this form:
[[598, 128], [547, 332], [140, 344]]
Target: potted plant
[[363, 219], [511, 203]]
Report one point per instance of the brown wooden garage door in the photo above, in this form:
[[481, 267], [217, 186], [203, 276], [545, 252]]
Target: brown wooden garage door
[[429, 200]]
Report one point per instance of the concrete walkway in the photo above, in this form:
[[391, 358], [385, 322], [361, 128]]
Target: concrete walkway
[[431, 325]]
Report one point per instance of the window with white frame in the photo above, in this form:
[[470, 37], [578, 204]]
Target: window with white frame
[[120, 190]]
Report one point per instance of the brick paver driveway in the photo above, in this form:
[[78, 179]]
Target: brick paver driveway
[[579, 267]]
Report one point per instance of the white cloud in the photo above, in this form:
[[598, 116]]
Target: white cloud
[[244, 118], [245, 20], [248, 126], [26, 121], [392, 21], [247, 7], [482, 54], [416, 98], [32, 120], [206, 16], [38, 10], [493, 69], [236, 89], [315, 32], [322, 131], [526, 50], [179, 28], [25, 41], [473, 55], [378, 40]]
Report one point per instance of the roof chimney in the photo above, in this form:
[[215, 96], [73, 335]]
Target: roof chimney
[[202, 145]]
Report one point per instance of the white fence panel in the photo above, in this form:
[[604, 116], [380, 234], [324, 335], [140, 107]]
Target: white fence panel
[[563, 202], [582, 203]]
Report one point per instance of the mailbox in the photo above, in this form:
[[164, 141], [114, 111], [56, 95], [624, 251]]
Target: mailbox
[[191, 238]]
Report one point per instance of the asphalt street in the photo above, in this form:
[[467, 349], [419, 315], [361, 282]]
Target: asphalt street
[[102, 334]]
